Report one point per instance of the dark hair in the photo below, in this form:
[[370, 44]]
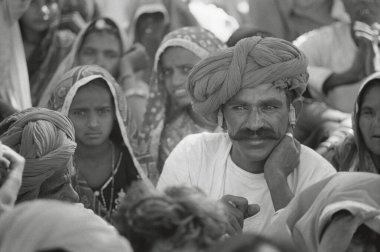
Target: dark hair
[[181, 217]]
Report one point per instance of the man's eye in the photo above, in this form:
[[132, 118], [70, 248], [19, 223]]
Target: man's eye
[[239, 107], [269, 107]]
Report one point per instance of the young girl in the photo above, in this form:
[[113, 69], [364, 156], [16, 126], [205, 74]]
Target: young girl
[[104, 161]]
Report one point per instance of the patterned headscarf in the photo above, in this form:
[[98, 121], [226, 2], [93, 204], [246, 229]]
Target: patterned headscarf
[[48, 224], [197, 40], [253, 61], [46, 140]]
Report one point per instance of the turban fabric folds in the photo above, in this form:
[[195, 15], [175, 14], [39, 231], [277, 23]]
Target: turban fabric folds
[[46, 140], [253, 61]]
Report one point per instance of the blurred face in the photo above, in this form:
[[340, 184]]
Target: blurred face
[[367, 11], [176, 62], [102, 49], [369, 119], [256, 118], [59, 186], [40, 15], [92, 113]]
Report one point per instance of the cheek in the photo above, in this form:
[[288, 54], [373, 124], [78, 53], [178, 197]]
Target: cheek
[[279, 124]]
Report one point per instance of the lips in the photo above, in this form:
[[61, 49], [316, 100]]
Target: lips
[[180, 92], [93, 134]]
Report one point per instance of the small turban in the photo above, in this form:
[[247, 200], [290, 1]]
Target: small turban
[[253, 61], [46, 140], [49, 224]]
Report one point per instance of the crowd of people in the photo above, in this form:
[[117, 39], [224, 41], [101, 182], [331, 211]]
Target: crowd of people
[[155, 133]]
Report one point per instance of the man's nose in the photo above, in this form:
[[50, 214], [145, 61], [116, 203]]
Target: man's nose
[[69, 194], [254, 120]]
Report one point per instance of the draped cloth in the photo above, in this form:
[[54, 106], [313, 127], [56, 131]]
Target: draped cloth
[[46, 140], [49, 224], [311, 211], [253, 61]]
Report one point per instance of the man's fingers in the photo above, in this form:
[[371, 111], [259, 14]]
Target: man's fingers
[[252, 210], [240, 203]]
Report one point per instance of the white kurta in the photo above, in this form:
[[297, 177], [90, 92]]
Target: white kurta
[[203, 160]]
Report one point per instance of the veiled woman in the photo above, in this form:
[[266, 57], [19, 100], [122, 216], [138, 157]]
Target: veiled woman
[[169, 116], [104, 160]]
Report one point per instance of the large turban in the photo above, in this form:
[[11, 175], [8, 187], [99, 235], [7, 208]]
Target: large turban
[[253, 61], [49, 224], [46, 140]]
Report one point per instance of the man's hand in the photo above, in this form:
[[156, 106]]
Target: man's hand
[[11, 169], [281, 162], [237, 209]]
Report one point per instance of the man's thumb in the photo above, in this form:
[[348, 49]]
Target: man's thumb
[[252, 210]]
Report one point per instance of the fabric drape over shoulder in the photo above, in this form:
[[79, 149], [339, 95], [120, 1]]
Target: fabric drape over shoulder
[[48, 224], [253, 61], [46, 140], [311, 211]]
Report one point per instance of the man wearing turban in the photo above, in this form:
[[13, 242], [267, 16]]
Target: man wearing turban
[[253, 91], [46, 140]]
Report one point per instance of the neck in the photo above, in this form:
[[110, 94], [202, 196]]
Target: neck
[[32, 37], [198, 119], [92, 152], [247, 165]]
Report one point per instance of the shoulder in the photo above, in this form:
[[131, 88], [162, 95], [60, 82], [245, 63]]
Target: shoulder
[[313, 163], [324, 34]]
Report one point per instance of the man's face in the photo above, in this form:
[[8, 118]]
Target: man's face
[[369, 119], [256, 118]]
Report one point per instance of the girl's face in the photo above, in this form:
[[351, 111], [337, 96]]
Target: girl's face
[[103, 49], [176, 62], [40, 15], [92, 113], [369, 119]]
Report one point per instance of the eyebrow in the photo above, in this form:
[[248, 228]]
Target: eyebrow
[[264, 101]]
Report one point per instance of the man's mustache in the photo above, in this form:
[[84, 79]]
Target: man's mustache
[[244, 134]]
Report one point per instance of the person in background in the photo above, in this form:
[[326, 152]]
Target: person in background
[[342, 55], [14, 84], [151, 20], [179, 219], [169, 116], [104, 159], [46, 140], [54, 226], [45, 46], [360, 151], [253, 91]]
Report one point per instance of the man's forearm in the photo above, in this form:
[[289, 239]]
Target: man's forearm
[[336, 80], [280, 192]]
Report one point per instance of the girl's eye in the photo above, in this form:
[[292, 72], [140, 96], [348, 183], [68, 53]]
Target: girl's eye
[[166, 72], [78, 113], [104, 111], [186, 70]]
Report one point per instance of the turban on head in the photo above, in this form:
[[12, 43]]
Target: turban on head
[[253, 61], [46, 140]]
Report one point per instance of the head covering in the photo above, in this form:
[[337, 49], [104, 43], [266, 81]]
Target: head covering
[[77, 77], [253, 61], [49, 224], [197, 40], [71, 60], [312, 210], [364, 160], [45, 138]]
